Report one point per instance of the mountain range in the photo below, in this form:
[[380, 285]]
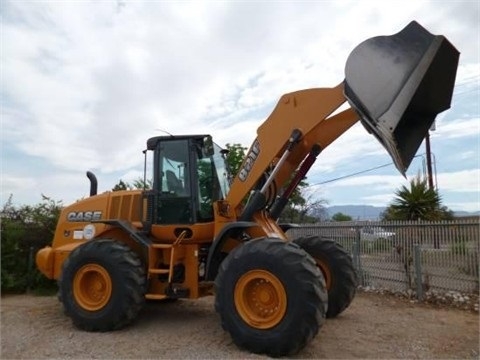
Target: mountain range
[[369, 212]]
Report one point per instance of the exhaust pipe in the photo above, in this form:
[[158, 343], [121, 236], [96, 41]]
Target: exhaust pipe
[[398, 84], [93, 183]]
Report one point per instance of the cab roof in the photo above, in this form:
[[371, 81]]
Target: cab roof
[[153, 141]]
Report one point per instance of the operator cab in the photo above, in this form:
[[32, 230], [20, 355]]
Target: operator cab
[[190, 174]]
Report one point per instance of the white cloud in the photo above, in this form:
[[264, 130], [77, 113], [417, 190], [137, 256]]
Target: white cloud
[[86, 83], [377, 200], [469, 154], [460, 181], [15, 185], [458, 128], [68, 188]]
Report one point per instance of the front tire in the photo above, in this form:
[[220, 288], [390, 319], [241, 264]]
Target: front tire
[[102, 285], [337, 268], [271, 297]]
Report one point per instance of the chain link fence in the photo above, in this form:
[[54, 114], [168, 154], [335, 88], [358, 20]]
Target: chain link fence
[[409, 255]]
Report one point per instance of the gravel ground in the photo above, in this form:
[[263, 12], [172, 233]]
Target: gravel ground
[[374, 326]]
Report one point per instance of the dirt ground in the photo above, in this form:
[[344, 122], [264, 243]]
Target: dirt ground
[[373, 327]]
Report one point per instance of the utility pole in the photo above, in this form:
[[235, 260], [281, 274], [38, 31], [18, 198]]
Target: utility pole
[[429, 160]]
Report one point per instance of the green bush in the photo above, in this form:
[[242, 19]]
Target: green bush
[[25, 230], [14, 259]]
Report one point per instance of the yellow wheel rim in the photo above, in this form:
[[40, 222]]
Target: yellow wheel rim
[[260, 299], [326, 273], [92, 287]]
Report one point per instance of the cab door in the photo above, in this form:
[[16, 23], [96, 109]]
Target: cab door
[[174, 203]]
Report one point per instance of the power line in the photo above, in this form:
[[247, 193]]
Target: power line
[[356, 173], [353, 174]]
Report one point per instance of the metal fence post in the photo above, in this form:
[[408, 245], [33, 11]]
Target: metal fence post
[[356, 258], [355, 255], [418, 271]]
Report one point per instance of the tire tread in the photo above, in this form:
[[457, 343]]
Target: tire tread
[[341, 267]]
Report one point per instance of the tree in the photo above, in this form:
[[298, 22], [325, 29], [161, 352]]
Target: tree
[[136, 184], [418, 202], [235, 156], [25, 230], [341, 217], [307, 210], [142, 184], [122, 185]]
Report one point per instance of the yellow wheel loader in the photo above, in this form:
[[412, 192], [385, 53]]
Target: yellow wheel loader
[[192, 234]]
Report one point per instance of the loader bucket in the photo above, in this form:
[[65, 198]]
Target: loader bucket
[[398, 84]]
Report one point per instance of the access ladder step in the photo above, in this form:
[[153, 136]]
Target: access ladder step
[[158, 271], [161, 246], [155, 296]]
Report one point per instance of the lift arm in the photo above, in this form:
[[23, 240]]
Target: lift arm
[[300, 121]]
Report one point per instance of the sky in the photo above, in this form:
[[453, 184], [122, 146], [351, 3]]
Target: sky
[[84, 84]]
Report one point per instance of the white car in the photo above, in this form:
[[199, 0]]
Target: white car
[[372, 233]]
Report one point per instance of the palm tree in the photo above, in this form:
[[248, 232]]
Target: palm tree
[[419, 202]]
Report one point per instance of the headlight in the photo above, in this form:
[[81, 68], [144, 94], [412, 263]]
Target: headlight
[[89, 232]]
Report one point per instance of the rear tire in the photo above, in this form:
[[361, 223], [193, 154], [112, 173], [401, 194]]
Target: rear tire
[[271, 297], [337, 268], [102, 285]]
